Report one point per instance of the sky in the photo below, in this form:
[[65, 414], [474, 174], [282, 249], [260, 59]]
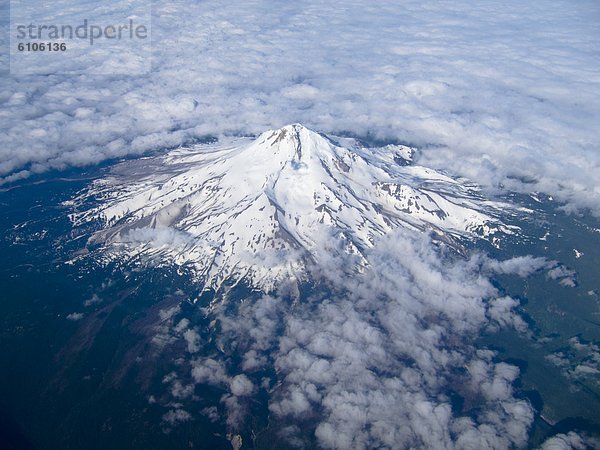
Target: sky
[[502, 92]]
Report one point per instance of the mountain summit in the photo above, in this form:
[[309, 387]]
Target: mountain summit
[[259, 210]]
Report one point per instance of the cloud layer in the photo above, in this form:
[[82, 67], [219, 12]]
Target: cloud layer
[[382, 359], [502, 92]]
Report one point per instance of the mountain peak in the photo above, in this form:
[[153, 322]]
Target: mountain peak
[[291, 141], [293, 130]]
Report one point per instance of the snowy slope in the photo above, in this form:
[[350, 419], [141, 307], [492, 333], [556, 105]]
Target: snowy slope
[[259, 209]]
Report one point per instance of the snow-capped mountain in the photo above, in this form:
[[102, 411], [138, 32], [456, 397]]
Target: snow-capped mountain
[[259, 210]]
